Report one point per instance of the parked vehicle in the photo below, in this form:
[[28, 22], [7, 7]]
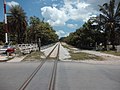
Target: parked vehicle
[[7, 48]]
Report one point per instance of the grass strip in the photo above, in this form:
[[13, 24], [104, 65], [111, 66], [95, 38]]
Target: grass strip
[[80, 55], [34, 56], [84, 56]]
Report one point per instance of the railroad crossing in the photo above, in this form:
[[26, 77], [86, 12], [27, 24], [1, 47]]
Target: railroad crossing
[[53, 74]]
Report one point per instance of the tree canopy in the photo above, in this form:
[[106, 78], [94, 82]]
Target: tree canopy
[[42, 30], [105, 29], [22, 30], [17, 22]]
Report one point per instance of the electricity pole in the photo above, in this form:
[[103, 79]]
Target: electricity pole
[[5, 21]]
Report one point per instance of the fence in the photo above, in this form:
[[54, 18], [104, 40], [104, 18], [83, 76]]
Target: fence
[[27, 48]]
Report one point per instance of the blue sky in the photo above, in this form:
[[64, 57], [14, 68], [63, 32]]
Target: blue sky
[[64, 15]]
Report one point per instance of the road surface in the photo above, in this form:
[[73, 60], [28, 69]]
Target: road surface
[[70, 76]]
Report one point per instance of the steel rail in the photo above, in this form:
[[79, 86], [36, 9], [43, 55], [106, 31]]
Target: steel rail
[[54, 72], [25, 84]]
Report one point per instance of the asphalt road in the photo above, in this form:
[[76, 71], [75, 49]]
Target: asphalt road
[[70, 76], [80, 76]]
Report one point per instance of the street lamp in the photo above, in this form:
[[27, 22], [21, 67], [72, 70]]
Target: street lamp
[[5, 21]]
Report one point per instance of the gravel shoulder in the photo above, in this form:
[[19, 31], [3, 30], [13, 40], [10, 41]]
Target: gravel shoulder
[[107, 58]]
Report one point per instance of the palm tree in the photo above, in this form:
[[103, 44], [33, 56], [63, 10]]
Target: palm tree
[[18, 22], [110, 18]]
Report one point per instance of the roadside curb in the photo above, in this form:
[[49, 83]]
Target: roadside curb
[[3, 58]]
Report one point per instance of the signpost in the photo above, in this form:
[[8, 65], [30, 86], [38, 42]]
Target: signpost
[[39, 43]]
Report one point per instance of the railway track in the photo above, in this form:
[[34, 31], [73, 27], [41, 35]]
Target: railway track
[[51, 85], [54, 72]]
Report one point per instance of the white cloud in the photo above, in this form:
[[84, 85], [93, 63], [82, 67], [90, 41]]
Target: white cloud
[[71, 10], [72, 25], [54, 16], [61, 33], [66, 35], [12, 3], [83, 11], [82, 5]]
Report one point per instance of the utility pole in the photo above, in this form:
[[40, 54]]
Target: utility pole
[[5, 21]]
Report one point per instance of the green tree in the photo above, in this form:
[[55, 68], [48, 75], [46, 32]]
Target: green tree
[[85, 37], [33, 28], [110, 18], [101, 34], [42, 30], [17, 22]]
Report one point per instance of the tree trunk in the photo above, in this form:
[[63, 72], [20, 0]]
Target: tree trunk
[[105, 45], [113, 38], [105, 40], [18, 37]]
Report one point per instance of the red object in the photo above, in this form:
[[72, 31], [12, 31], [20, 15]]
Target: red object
[[11, 50]]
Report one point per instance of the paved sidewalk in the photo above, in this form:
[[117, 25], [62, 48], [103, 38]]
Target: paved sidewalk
[[13, 58], [17, 59]]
